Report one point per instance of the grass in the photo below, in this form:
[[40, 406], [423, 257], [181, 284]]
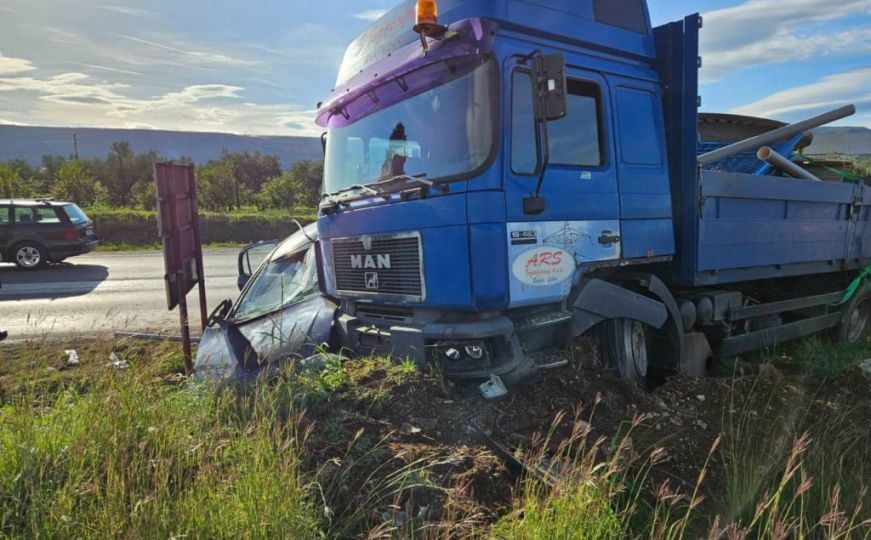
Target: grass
[[93, 451]]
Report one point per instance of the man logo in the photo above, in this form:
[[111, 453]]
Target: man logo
[[372, 281], [370, 262]]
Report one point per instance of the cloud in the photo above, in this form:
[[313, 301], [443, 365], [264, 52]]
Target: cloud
[[9, 66], [106, 68], [63, 87], [189, 55], [370, 15], [77, 99], [130, 11], [771, 31], [828, 93]]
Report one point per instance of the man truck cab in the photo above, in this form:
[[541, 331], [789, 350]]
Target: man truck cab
[[442, 260]]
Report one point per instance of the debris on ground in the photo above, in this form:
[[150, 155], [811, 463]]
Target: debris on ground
[[72, 357], [116, 361]]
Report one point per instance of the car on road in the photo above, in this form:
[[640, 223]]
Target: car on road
[[280, 315], [35, 232]]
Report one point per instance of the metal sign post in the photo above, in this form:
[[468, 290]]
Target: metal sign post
[[178, 224]]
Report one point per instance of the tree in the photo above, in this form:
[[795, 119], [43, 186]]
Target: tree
[[120, 165], [279, 192], [309, 176], [216, 186], [73, 183], [12, 185]]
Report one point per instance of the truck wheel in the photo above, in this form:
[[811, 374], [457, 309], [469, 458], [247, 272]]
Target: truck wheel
[[854, 323], [623, 347], [29, 256]]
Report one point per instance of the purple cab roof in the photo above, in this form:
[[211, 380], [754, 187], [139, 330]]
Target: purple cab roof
[[467, 38]]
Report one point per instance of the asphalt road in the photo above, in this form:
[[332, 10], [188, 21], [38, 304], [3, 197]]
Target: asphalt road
[[104, 293]]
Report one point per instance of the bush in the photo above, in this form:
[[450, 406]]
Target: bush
[[279, 192], [139, 227], [12, 185], [74, 184]]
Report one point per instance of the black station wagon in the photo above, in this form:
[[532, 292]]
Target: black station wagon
[[34, 233]]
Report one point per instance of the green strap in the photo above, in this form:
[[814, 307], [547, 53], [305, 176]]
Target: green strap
[[842, 173], [854, 286]]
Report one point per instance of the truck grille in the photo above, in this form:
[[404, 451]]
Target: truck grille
[[391, 266]]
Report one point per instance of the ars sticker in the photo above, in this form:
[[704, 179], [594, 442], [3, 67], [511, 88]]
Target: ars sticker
[[544, 266]]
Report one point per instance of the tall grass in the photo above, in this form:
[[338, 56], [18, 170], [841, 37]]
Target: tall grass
[[95, 452], [129, 457]]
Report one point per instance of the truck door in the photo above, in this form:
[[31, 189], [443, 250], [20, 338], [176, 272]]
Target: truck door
[[642, 170], [581, 219]]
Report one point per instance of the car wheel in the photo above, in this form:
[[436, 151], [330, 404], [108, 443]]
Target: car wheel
[[623, 347], [29, 256]]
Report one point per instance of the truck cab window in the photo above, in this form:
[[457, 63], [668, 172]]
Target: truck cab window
[[576, 139], [524, 148]]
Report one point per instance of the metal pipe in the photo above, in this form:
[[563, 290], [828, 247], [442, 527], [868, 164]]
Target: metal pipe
[[779, 133], [784, 165]]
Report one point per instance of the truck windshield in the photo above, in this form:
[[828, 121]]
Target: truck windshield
[[444, 132]]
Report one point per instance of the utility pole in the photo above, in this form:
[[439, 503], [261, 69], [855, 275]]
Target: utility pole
[[76, 146]]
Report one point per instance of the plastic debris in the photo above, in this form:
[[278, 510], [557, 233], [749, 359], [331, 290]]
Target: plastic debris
[[72, 357], [493, 388], [116, 361]]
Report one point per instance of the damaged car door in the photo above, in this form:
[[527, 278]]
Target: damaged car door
[[281, 315]]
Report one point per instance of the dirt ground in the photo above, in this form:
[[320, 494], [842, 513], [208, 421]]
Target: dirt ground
[[429, 420]]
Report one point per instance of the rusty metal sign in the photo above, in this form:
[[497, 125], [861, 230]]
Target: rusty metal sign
[[178, 225]]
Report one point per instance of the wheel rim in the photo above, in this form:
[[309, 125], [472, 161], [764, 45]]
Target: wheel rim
[[636, 347], [28, 257], [857, 321]]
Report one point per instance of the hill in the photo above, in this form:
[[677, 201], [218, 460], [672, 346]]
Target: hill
[[31, 143]]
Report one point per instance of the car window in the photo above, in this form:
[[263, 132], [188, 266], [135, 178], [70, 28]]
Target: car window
[[280, 282], [75, 214], [46, 215], [23, 214], [4, 215]]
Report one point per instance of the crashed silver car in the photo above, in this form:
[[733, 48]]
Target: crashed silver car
[[280, 315]]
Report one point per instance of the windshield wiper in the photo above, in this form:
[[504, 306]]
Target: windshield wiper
[[379, 187], [400, 180], [355, 187]]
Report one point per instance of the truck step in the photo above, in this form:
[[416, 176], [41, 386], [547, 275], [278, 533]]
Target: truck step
[[550, 358], [541, 320]]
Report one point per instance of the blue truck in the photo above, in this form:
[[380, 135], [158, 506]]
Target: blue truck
[[502, 177]]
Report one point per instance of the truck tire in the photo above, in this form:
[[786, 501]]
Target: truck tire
[[29, 256], [624, 348], [854, 323]]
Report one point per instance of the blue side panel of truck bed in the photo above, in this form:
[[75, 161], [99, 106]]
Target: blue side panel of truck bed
[[754, 227]]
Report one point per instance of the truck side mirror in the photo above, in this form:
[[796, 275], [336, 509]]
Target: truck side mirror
[[551, 102], [551, 94]]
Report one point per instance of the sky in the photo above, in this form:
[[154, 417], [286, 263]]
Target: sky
[[258, 67]]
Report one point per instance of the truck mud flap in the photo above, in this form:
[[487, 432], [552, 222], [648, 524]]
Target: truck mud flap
[[600, 300]]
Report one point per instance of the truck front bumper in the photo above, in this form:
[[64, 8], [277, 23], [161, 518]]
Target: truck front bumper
[[470, 349]]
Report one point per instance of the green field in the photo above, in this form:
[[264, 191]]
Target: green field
[[774, 446]]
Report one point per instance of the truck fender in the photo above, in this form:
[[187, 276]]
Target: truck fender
[[599, 300]]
